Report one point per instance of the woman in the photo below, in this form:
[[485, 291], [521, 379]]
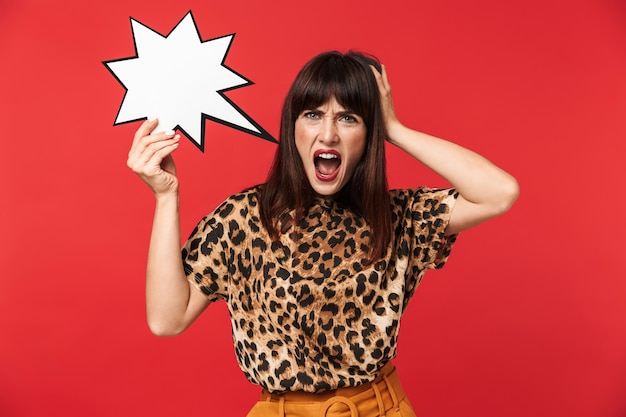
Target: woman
[[318, 264]]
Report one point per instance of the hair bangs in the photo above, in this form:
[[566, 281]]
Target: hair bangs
[[345, 78]]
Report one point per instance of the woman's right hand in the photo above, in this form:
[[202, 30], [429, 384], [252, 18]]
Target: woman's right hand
[[150, 157]]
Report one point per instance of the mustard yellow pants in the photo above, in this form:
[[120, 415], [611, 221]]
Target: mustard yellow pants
[[383, 397]]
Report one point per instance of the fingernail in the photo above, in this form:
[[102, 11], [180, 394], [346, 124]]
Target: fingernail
[[152, 118], [170, 132], [177, 137]]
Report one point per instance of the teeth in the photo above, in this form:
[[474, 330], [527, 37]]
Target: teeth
[[327, 156]]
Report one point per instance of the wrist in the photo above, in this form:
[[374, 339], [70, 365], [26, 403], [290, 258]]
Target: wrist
[[395, 132], [167, 197]]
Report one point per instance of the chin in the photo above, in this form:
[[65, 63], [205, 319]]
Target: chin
[[326, 190]]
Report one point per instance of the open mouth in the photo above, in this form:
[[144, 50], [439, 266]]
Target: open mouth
[[327, 164]]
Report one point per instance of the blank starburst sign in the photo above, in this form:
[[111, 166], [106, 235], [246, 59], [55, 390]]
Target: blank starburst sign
[[181, 80]]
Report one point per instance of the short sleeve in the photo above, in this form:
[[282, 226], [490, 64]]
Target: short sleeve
[[421, 216], [207, 254], [430, 215]]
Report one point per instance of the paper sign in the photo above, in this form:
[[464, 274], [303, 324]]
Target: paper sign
[[181, 80]]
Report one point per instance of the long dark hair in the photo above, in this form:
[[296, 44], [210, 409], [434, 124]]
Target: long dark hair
[[349, 78]]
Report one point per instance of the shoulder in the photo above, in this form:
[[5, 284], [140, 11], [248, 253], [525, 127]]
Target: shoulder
[[422, 203], [238, 204], [228, 218], [236, 207], [404, 196]]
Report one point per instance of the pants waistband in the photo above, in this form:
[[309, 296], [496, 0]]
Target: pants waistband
[[384, 392]]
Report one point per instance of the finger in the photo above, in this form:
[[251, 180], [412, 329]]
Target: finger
[[142, 142], [150, 165], [374, 70], [383, 87], [377, 74], [161, 159], [144, 130], [146, 127], [141, 132], [142, 159], [384, 78], [155, 147]]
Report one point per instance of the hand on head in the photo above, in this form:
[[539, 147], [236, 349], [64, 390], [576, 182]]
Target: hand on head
[[386, 100]]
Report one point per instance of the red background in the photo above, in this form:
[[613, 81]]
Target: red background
[[528, 317]]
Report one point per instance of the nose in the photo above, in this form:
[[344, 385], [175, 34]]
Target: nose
[[328, 131]]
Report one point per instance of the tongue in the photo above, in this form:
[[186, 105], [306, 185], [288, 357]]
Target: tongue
[[327, 166]]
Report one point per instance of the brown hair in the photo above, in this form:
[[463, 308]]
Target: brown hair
[[349, 78]]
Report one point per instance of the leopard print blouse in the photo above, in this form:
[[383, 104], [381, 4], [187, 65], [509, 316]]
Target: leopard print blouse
[[307, 312]]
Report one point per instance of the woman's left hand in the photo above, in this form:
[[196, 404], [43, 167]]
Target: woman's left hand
[[485, 190], [389, 114]]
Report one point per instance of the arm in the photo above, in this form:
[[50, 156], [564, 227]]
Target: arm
[[485, 191], [172, 305]]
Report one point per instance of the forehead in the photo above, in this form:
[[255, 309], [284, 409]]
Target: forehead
[[331, 106]]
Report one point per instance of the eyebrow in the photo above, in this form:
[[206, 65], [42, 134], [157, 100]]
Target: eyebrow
[[345, 112]]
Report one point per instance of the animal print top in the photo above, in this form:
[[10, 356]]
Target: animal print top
[[308, 314]]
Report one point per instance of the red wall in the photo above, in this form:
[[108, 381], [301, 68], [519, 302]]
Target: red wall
[[528, 317]]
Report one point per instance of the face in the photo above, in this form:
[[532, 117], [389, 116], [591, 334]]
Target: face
[[330, 141]]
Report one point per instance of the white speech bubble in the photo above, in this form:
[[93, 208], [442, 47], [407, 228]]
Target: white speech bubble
[[181, 80]]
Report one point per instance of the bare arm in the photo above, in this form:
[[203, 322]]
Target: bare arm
[[172, 305], [485, 191]]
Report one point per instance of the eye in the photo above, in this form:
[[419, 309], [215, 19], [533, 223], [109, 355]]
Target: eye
[[311, 115], [349, 118]]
